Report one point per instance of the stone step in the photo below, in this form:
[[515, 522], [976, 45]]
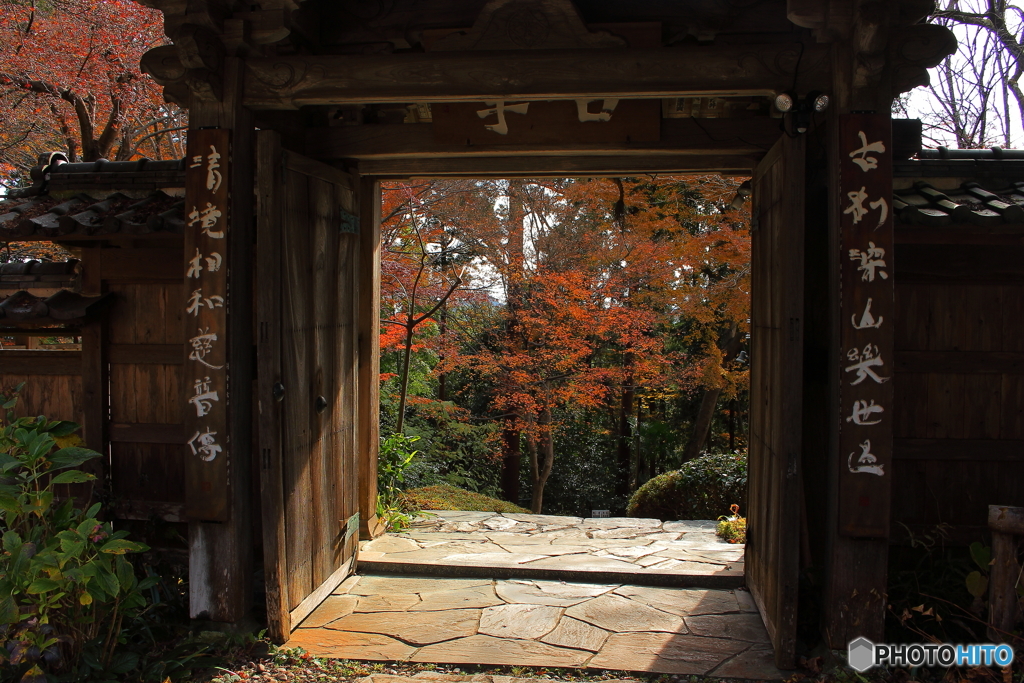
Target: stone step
[[637, 576], [434, 677]]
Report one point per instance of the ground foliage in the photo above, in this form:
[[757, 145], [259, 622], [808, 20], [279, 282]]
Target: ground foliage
[[72, 605], [445, 497]]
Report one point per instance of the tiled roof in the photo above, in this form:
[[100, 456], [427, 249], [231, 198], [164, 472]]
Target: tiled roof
[[46, 217], [969, 204], [62, 307]]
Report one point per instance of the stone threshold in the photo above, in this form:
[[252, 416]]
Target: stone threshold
[[721, 579]]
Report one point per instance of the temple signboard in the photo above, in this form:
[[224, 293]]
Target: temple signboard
[[205, 305], [866, 324]]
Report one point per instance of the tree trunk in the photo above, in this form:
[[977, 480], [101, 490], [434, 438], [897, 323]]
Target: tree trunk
[[511, 459], [702, 425], [625, 480], [542, 457], [404, 394], [730, 343]]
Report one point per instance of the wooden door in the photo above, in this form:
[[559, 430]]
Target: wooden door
[[776, 391], [307, 356]]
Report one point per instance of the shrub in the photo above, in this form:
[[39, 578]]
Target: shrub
[[65, 583], [701, 489], [446, 497], [395, 457]]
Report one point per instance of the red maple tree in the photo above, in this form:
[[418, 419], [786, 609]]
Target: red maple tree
[[70, 82]]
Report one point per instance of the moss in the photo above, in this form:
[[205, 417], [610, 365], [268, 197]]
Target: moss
[[446, 497], [703, 488]]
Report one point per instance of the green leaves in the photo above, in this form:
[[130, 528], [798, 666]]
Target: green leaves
[[977, 584], [63, 573], [72, 456], [120, 547], [42, 586], [72, 477], [982, 556]]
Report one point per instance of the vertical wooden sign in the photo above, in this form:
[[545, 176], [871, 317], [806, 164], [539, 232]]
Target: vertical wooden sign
[[205, 379], [866, 324]]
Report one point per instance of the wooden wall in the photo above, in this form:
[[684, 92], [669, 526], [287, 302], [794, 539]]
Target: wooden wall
[[959, 382], [145, 338], [53, 382]]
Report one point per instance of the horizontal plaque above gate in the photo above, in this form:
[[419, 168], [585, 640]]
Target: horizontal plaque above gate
[[561, 122]]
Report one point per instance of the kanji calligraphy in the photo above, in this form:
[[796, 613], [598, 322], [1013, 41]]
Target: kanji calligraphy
[[205, 305], [866, 337]]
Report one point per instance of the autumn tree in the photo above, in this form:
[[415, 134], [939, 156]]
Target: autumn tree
[[423, 268], [70, 82]]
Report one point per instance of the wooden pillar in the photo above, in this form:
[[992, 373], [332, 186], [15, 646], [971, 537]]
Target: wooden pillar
[[862, 340], [220, 552], [368, 324], [95, 378]]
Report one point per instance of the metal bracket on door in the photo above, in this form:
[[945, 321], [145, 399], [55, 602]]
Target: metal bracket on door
[[351, 525]]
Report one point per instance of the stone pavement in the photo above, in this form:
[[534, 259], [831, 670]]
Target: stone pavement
[[617, 549], [447, 597], [541, 623]]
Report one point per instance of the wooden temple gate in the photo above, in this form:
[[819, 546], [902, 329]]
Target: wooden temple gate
[[299, 109]]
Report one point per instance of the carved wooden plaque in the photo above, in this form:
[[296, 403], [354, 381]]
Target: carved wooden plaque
[[205, 381], [558, 123], [866, 324]]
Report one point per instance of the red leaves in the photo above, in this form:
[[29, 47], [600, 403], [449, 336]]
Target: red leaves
[[579, 283], [78, 63]]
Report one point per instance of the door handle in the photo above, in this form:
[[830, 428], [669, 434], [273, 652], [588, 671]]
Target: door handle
[[278, 392]]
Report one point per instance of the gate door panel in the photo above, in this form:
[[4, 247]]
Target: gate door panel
[[776, 391], [306, 291]]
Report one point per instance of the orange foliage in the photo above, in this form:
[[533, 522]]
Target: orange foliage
[[70, 81]]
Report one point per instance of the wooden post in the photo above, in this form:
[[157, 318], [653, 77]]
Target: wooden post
[[368, 316], [1007, 525], [220, 553], [95, 379]]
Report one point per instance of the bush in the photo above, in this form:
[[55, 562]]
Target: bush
[[396, 455], [65, 583], [701, 489], [445, 497]]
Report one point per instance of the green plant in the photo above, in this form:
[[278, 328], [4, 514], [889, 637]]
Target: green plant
[[445, 497], [977, 581], [732, 528], [395, 457], [65, 583], [697, 490]]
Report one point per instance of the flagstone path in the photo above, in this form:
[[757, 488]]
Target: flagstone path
[[567, 618], [617, 549]]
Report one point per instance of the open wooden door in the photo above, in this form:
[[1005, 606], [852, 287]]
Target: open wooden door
[[776, 391], [306, 283]]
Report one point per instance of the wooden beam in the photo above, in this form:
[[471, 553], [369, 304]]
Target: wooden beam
[[145, 354], [147, 433], [705, 70], [679, 137], [40, 362], [557, 166]]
